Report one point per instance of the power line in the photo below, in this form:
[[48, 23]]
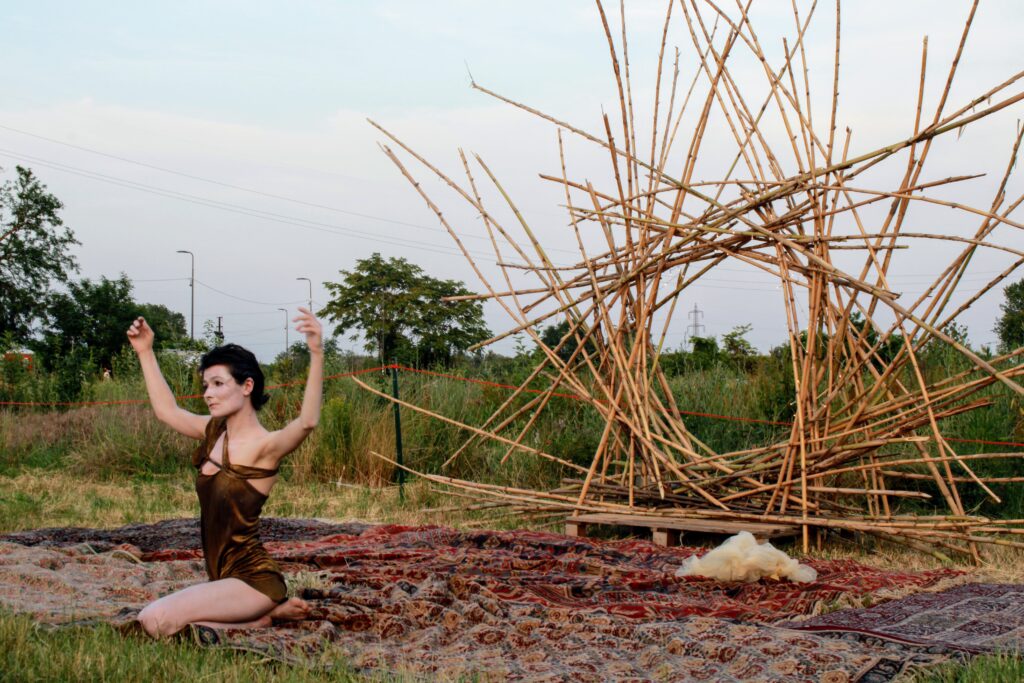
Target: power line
[[250, 301], [263, 193], [243, 210], [237, 313], [249, 333], [221, 183], [276, 217]]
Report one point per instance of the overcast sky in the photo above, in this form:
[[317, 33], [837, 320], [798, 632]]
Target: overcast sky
[[237, 131]]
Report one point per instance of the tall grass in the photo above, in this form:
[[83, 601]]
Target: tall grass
[[115, 464], [101, 441], [111, 442]]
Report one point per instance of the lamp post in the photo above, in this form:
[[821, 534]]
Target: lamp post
[[310, 291], [192, 286], [285, 329]]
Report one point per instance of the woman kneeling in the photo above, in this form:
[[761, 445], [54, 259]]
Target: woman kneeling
[[237, 464]]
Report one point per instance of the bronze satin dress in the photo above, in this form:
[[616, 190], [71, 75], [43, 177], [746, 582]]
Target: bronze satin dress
[[229, 519]]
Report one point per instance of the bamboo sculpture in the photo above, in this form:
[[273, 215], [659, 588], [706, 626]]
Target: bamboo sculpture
[[862, 423]]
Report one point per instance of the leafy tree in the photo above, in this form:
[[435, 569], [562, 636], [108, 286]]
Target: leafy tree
[[294, 362], [885, 353], [735, 343], [169, 326], [91, 319], [552, 335], [1010, 326], [738, 349], [34, 244], [401, 313], [705, 351]]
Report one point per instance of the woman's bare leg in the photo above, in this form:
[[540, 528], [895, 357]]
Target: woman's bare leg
[[227, 603]]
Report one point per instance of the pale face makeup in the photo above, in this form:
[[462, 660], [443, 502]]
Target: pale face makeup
[[223, 395]]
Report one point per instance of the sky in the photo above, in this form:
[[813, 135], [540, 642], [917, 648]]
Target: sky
[[238, 131]]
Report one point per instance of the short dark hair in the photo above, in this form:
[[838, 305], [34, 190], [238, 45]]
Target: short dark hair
[[242, 365]]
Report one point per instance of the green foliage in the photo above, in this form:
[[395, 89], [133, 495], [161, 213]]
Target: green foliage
[[399, 310], [73, 369], [552, 336], [735, 342], [775, 388], [86, 326], [738, 350], [722, 389], [34, 245], [291, 365], [704, 353], [887, 349], [995, 668], [1010, 326], [348, 430], [91, 318], [169, 326]]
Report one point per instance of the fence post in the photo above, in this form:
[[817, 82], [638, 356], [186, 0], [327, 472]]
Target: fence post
[[398, 431]]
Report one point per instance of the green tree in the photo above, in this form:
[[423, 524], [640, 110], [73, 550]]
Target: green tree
[[169, 326], [91, 319], [886, 351], [705, 352], [736, 345], [34, 244], [294, 362], [400, 311], [1010, 326], [553, 334]]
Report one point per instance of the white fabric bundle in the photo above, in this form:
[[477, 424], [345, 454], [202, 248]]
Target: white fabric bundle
[[742, 558]]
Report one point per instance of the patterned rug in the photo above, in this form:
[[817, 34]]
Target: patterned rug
[[441, 603], [973, 618], [177, 533]]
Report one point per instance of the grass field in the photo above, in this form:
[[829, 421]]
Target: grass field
[[31, 652], [113, 465]]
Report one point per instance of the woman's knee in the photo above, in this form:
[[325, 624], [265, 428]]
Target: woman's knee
[[157, 620]]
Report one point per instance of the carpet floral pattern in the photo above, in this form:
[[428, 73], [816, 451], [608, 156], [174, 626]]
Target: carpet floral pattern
[[437, 602]]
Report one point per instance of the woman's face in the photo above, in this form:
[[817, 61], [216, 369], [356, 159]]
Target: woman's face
[[223, 395]]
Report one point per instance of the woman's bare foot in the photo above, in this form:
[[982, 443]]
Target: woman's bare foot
[[293, 609]]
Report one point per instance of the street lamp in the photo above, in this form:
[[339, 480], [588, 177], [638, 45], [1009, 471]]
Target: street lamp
[[285, 328], [192, 286], [310, 291]]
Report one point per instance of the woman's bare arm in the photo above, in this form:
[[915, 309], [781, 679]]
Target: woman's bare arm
[[166, 408], [287, 439]]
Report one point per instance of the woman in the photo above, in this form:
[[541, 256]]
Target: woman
[[237, 466]]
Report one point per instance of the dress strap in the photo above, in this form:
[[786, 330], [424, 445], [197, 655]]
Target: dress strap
[[242, 471], [214, 428]]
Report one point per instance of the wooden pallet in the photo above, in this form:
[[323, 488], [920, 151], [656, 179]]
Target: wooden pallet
[[667, 532]]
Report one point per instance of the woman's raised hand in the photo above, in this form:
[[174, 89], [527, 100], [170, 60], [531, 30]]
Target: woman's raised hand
[[310, 326], [141, 336]]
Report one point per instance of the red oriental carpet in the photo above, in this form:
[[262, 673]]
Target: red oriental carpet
[[441, 603]]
